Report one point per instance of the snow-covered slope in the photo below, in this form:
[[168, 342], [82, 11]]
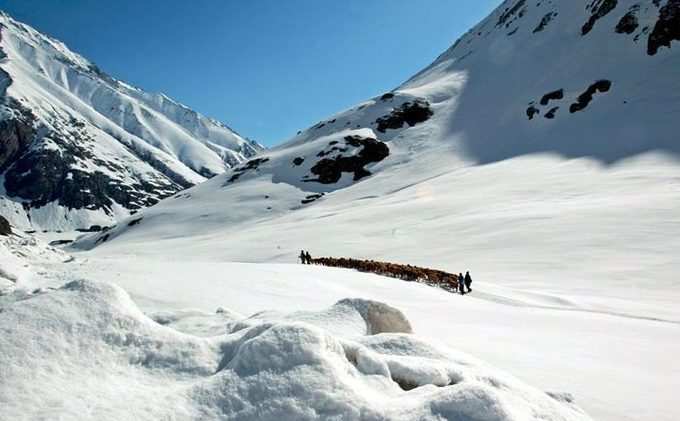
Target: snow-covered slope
[[79, 148], [470, 165], [487, 130]]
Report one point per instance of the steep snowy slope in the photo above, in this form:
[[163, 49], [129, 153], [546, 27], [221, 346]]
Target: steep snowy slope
[[79, 148]]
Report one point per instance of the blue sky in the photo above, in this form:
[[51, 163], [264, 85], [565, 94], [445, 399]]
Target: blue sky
[[267, 68]]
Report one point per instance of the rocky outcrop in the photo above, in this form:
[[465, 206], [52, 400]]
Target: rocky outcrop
[[329, 170], [5, 227], [629, 22], [599, 9], [16, 134], [666, 29], [584, 99], [410, 112]]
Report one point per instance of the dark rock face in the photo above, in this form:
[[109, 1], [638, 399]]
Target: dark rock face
[[599, 9], [387, 96], [5, 227], [532, 111], [550, 96], [584, 99], [551, 113], [40, 166], [298, 161], [666, 29], [45, 174], [311, 198], [329, 170], [15, 136], [251, 165], [511, 13], [410, 113], [545, 21], [629, 22]]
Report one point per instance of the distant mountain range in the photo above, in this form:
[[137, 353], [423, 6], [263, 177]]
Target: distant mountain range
[[79, 148]]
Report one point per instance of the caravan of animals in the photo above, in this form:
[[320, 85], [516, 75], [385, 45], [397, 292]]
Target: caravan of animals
[[433, 277]]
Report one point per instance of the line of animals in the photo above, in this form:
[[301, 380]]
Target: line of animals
[[445, 280]]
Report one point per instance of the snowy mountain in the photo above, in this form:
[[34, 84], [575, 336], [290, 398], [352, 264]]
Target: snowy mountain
[[80, 148], [540, 152], [581, 79]]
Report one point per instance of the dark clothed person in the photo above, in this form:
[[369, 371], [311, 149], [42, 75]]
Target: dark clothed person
[[468, 281]]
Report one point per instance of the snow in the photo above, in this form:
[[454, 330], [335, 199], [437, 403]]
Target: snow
[[284, 369], [569, 227]]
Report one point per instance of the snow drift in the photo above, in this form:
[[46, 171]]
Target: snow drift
[[86, 351]]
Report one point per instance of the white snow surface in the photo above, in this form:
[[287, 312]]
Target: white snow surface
[[91, 340]]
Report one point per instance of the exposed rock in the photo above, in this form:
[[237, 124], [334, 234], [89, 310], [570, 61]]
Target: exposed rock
[[532, 111], [551, 96], [599, 9], [585, 98], [551, 113], [329, 170], [545, 21], [16, 134], [134, 222], [511, 13], [5, 227], [387, 96], [629, 22], [251, 165], [298, 161], [410, 113], [666, 29], [312, 197]]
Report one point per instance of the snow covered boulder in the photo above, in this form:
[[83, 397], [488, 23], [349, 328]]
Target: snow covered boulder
[[85, 351], [379, 317]]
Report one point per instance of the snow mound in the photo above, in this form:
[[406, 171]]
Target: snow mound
[[85, 350], [18, 254]]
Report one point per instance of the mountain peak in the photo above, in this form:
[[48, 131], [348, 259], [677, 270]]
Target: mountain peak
[[82, 148]]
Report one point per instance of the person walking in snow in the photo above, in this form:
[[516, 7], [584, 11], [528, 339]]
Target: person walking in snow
[[468, 281], [308, 257], [302, 257], [461, 284]]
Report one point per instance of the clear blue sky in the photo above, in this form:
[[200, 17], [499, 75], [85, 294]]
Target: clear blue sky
[[267, 68]]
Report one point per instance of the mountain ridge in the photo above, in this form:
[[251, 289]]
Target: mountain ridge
[[64, 119]]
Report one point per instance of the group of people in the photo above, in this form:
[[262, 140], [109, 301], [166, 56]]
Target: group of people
[[464, 282], [305, 257]]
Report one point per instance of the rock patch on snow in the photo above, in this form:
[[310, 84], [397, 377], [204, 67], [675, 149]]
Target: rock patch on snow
[[329, 170], [410, 113], [666, 29]]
